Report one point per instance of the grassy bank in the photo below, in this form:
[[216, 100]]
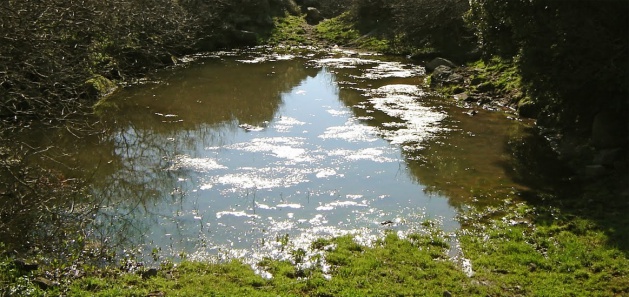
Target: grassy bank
[[515, 250]]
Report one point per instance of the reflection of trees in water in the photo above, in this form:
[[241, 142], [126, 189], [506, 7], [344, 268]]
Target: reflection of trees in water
[[146, 145], [534, 163], [43, 209], [215, 92], [463, 164], [115, 178]]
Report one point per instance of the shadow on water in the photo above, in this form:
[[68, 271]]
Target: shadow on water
[[554, 186], [463, 162]]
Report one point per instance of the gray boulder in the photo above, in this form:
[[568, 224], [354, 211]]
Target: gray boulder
[[436, 62], [444, 75], [313, 16], [609, 130]]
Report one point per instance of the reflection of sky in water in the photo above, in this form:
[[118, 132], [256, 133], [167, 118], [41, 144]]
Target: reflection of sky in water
[[313, 170]]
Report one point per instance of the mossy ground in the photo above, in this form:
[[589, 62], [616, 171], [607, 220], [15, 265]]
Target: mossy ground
[[342, 31], [293, 30]]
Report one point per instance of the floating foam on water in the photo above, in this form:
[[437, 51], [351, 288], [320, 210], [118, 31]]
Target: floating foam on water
[[280, 147], [393, 69], [263, 206], [289, 205], [336, 112], [196, 164], [352, 132], [326, 173], [284, 124], [418, 122], [335, 204], [345, 62], [371, 154], [399, 89], [220, 214]]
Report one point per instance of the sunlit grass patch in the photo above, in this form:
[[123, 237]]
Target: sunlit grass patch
[[289, 30], [516, 255], [342, 31]]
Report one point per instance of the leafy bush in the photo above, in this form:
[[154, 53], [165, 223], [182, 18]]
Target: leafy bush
[[573, 55], [436, 24]]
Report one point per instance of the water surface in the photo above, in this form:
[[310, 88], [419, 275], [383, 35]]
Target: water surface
[[233, 154]]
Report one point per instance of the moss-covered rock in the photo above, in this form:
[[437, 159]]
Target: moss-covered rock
[[99, 86], [527, 108]]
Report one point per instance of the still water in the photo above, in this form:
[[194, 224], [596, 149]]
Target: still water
[[243, 153]]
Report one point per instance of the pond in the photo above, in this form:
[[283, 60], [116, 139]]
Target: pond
[[249, 153]]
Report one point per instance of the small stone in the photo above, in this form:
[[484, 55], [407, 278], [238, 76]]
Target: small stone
[[313, 16], [24, 265], [436, 62], [532, 267], [43, 283], [461, 96], [447, 294], [149, 273]]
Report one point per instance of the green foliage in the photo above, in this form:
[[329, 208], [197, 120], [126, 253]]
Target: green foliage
[[418, 26], [572, 55], [434, 24]]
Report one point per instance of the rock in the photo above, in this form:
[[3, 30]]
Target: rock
[[594, 171], [43, 283], [447, 294], [455, 78], [313, 16], [609, 130], [607, 157], [24, 265], [99, 86], [528, 109], [242, 37], [461, 96], [440, 75], [444, 75], [152, 272], [436, 62], [485, 87]]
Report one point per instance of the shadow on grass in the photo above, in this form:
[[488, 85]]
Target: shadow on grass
[[603, 201]]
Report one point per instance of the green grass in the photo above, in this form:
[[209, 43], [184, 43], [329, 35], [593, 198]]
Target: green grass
[[289, 30], [515, 250], [519, 254], [342, 31]]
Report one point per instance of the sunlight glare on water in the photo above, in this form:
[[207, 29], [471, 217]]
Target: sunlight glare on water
[[275, 152]]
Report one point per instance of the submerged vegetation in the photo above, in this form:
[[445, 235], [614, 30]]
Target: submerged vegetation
[[561, 62]]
